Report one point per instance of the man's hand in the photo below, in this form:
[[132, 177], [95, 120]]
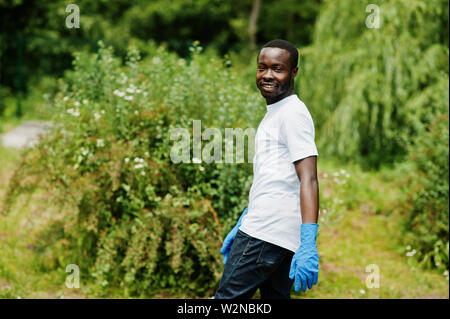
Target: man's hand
[[228, 242], [305, 263]]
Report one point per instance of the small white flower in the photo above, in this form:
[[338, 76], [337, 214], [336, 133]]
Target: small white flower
[[411, 253], [65, 98], [85, 101], [136, 112], [196, 160], [127, 159], [147, 154], [119, 93], [102, 111], [342, 171], [84, 151], [325, 175], [335, 174], [137, 166], [73, 112], [131, 89], [76, 103], [124, 78], [362, 291], [97, 116], [143, 173], [128, 97], [138, 160], [201, 168], [100, 143], [408, 247], [445, 273]]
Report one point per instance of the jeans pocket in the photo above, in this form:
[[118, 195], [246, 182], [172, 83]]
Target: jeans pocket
[[270, 258], [240, 247]]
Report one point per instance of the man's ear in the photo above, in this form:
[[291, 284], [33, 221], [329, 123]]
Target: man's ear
[[294, 72]]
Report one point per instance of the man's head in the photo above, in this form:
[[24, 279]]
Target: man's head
[[277, 68]]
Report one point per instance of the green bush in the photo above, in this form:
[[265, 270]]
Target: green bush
[[426, 211], [130, 217]]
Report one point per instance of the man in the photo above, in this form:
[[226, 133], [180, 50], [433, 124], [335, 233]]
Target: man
[[273, 245]]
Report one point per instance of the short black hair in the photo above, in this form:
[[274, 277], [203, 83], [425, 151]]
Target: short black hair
[[286, 45]]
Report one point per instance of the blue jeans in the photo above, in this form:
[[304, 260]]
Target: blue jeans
[[253, 264]]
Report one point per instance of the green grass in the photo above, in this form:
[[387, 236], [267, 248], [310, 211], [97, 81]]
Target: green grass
[[361, 231], [20, 274], [357, 229]]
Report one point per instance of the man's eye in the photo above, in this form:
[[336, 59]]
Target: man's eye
[[278, 69]]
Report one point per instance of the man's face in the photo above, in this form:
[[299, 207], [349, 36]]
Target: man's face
[[274, 76]]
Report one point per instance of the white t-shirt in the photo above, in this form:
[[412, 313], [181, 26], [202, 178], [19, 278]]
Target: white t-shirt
[[285, 135]]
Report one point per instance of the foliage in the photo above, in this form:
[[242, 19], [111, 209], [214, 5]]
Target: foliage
[[426, 210], [37, 31], [3, 94], [373, 91], [131, 217]]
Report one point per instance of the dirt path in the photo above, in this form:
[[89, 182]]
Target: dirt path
[[25, 134]]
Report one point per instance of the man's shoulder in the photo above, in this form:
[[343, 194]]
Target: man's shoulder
[[295, 106]]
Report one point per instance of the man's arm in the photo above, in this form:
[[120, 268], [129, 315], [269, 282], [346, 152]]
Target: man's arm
[[305, 262], [309, 188]]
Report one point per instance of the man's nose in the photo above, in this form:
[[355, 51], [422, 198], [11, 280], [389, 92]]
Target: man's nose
[[268, 75]]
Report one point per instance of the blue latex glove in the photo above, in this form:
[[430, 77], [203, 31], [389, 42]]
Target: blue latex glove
[[305, 263], [228, 242]]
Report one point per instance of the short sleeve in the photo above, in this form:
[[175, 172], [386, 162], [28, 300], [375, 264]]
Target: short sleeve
[[297, 131]]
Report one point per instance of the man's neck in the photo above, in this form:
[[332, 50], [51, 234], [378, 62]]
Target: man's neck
[[278, 98]]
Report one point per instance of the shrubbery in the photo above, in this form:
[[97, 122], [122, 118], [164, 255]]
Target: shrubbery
[[426, 211], [131, 217]]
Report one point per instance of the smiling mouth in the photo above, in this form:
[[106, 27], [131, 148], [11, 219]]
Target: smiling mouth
[[268, 85]]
